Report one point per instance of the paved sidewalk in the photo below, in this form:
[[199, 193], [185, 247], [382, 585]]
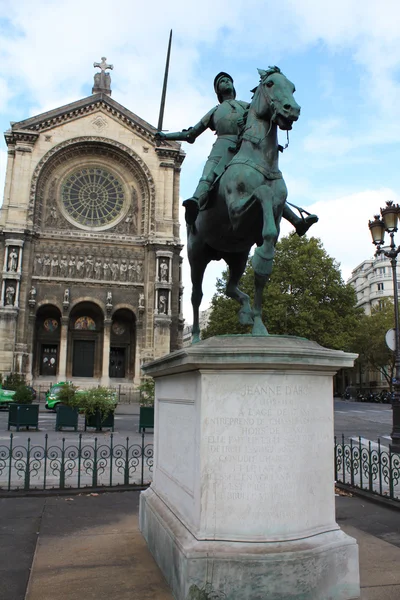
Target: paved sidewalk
[[89, 546]]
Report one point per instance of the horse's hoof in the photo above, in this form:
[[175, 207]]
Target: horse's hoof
[[259, 328], [245, 318], [195, 338]]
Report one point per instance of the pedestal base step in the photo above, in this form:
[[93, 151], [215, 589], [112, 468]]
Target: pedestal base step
[[321, 567]]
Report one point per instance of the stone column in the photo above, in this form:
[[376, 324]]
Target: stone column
[[105, 377], [62, 361]]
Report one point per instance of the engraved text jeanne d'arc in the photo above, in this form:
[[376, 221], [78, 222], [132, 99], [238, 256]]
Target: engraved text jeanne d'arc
[[259, 439]]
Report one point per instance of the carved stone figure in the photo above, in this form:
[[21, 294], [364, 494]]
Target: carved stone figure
[[63, 266], [97, 269], [66, 296], [52, 218], [106, 270], [109, 298], [46, 265], [139, 271], [89, 267], [32, 293], [141, 300], [131, 271], [162, 304], [10, 294], [115, 270], [54, 266], [80, 263], [72, 266], [164, 271], [12, 260], [123, 270], [102, 80], [38, 266]]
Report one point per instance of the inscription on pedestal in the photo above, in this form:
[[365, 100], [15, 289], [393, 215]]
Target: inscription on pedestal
[[257, 445]]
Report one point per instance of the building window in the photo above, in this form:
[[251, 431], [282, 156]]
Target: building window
[[93, 197], [382, 270], [380, 287]]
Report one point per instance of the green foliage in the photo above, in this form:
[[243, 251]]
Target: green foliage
[[306, 297], [67, 394], [13, 381], [147, 392], [23, 395], [369, 341], [99, 399]]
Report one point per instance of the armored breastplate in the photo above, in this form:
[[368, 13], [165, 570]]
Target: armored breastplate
[[226, 117]]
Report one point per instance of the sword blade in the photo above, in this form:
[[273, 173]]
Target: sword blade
[[164, 91]]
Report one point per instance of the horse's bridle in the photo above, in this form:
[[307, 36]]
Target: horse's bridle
[[272, 105]]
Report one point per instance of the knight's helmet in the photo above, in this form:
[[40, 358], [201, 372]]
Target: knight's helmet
[[216, 81]]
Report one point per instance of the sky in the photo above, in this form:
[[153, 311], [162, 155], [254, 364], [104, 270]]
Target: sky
[[344, 58]]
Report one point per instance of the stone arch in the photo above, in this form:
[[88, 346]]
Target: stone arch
[[96, 145], [87, 299]]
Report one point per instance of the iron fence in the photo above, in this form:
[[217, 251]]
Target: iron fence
[[84, 464], [368, 466]]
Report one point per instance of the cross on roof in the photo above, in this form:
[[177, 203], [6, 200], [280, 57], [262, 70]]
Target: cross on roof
[[103, 64]]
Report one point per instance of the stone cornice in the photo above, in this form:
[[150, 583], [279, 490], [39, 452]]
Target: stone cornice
[[17, 136], [177, 155]]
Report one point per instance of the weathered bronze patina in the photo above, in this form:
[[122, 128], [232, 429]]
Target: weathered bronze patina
[[241, 196]]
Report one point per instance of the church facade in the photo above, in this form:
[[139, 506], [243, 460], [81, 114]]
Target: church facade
[[89, 241]]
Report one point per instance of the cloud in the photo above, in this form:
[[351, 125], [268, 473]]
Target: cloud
[[343, 225]]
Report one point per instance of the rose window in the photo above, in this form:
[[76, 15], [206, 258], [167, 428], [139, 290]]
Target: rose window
[[93, 196]]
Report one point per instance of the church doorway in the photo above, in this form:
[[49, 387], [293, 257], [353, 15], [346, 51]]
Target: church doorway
[[47, 341], [123, 344], [83, 358], [117, 362], [85, 340]]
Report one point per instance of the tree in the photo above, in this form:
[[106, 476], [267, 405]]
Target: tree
[[306, 297], [369, 341]]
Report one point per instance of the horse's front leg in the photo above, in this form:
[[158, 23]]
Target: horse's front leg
[[272, 202], [237, 265], [197, 274], [272, 198]]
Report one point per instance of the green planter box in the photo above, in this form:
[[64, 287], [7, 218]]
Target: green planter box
[[23, 415], [98, 423], [146, 418], [66, 417]]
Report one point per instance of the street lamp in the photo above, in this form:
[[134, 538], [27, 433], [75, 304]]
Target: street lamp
[[388, 222]]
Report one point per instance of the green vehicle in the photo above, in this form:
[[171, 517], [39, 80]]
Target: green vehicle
[[52, 399], [6, 397]]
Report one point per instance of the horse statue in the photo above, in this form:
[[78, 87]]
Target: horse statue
[[246, 203]]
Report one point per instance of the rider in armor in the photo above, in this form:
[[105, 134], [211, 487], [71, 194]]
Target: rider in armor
[[225, 119]]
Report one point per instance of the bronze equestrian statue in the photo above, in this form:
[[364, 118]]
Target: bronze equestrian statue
[[241, 196]]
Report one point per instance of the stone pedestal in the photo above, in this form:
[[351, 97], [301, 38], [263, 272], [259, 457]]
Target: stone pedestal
[[243, 490]]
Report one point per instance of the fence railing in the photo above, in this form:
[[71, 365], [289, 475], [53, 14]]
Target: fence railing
[[57, 465], [368, 466]]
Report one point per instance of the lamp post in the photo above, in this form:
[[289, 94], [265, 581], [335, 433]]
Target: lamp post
[[387, 222]]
